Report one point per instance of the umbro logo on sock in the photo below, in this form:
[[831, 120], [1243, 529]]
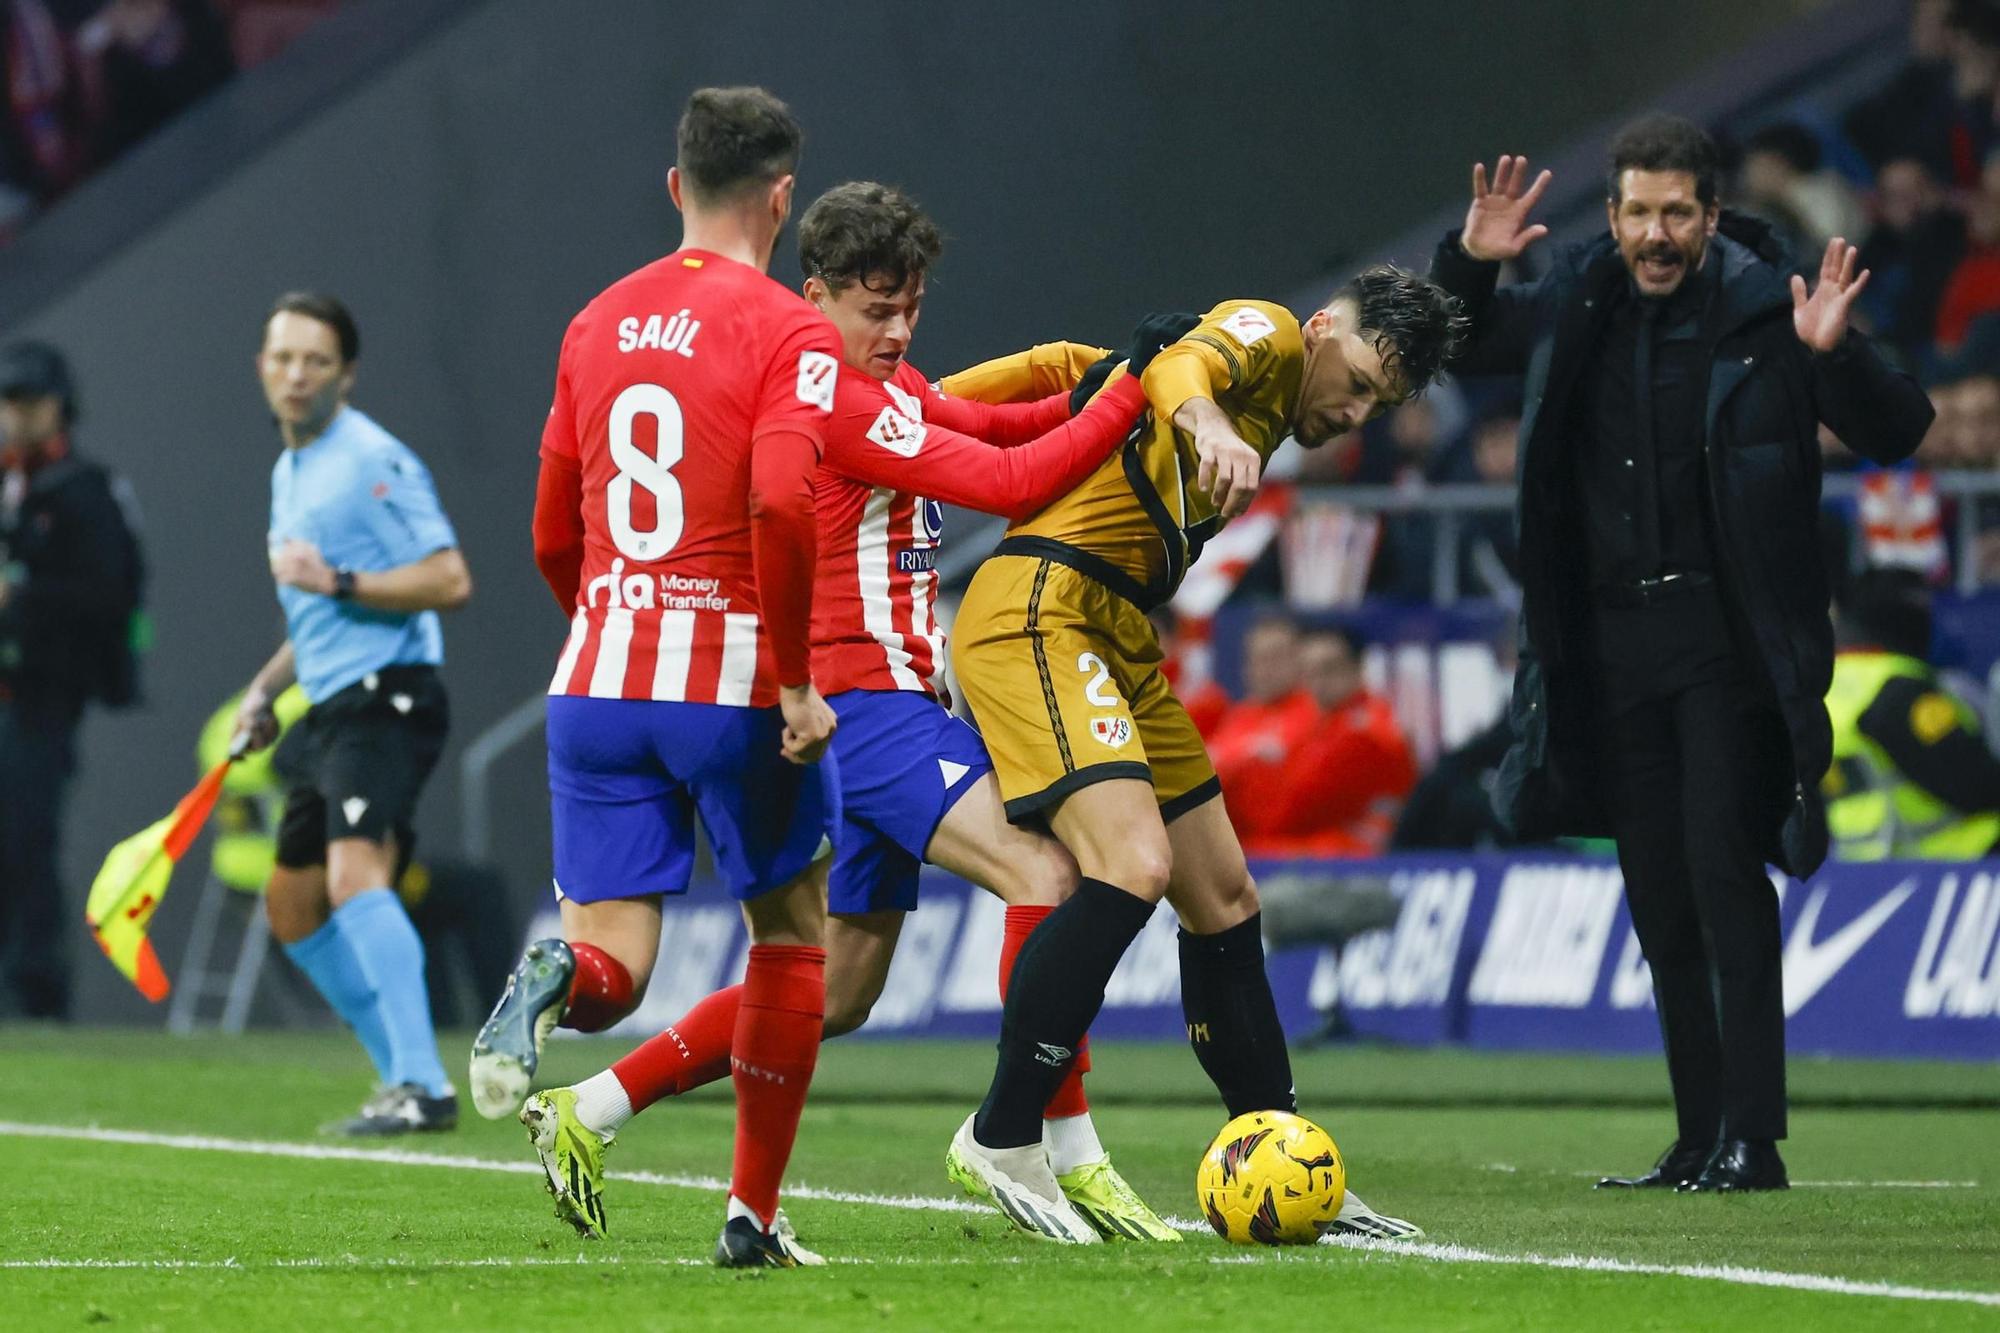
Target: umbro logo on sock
[[354, 807], [1053, 1056]]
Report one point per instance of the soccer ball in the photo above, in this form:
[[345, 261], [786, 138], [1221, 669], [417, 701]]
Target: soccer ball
[[1271, 1178]]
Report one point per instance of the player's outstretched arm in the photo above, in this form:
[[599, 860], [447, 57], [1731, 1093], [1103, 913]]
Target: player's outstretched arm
[[874, 443], [1042, 370], [1000, 424]]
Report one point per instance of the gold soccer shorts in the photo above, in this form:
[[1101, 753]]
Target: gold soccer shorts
[[1063, 676]]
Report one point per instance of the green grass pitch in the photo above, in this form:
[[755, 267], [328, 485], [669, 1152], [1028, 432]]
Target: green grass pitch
[[180, 1226]]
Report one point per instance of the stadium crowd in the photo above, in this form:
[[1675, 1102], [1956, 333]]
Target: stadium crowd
[[88, 79]]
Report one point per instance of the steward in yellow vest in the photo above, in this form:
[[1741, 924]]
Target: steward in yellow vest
[[1912, 777]]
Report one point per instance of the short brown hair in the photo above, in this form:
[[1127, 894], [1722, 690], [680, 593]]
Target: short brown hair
[[730, 139], [328, 310], [864, 230], [1664, 143]]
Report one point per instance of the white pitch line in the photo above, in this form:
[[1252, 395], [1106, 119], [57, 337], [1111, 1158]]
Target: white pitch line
[[355, 1261], [1756, 1277], [325, 1152], [1751, 1277]]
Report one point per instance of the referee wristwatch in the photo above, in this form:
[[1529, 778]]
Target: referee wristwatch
[[343, 585]]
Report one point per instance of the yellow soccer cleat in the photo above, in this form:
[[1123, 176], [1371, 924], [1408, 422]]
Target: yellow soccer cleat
[[572, 1159], [1114, 1208]]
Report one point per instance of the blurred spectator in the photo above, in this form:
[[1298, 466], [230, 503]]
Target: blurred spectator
[[147, 61], [1912, 777], [1973, 289], [87, 79], [1408, 448], [1939, 107], [1252, 742], [1187, 666], [43, 149], [1917, 242], [1451, 809], [1492, 560], [1342, 786], [1783, 179]]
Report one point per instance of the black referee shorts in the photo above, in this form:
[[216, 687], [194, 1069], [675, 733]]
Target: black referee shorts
[[355, 763]]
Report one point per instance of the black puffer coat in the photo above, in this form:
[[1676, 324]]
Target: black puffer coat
[[1767, 394]]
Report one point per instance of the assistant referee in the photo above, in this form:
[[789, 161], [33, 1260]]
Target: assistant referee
[[364, 559]]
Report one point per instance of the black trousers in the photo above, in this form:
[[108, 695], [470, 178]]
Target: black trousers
[[37, 746], [1696, 766]]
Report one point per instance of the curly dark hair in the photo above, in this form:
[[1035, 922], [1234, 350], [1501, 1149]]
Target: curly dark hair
[[1664, 143], [1414, 323], [732, 139], [869, 233]]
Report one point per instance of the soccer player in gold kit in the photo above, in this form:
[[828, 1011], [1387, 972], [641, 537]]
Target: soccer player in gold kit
[[1062, 670]]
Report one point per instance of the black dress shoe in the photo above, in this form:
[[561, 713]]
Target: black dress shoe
[[1679, 1165], [1739, 1166]]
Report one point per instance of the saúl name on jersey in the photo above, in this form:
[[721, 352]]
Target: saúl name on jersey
[[675, 333]]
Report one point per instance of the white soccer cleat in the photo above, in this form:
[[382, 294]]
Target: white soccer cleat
[[1358, 1219], [1019, 1183]]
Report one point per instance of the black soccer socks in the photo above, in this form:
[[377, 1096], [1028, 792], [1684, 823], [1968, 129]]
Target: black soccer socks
[[1232, 1021], [1057, 989]]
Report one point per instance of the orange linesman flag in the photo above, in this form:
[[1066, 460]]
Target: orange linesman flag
[[128, 889]]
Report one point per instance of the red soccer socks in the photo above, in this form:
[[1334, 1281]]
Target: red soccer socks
[[771, 1060], [601, 991], [687, 1055]]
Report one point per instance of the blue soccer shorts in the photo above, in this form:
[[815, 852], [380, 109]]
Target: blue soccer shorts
[[627, 778], [904, 762]]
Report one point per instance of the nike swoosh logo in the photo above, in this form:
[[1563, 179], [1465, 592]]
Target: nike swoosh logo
[[1809, 965]]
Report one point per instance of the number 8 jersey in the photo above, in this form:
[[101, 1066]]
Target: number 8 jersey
[[691, 396]]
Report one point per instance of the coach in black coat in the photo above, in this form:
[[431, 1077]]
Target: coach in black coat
[[1675, 644]]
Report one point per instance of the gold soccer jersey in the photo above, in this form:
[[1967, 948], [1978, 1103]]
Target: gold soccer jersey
[[1052, 646], [1141, 513]]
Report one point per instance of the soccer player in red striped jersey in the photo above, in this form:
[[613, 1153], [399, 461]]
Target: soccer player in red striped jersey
[[916, 784], [674, 521]]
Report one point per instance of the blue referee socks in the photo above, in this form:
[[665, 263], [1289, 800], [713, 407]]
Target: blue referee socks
[[391, 957], [326, 958]]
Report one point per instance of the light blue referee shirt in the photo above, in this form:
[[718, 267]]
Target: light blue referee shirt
[[366, 501]]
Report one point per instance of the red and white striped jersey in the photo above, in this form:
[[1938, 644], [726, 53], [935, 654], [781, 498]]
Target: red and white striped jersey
[[896, 452], [680, 389]]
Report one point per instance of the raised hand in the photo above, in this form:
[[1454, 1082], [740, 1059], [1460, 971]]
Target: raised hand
[[1496, 225], [1821, 318]]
